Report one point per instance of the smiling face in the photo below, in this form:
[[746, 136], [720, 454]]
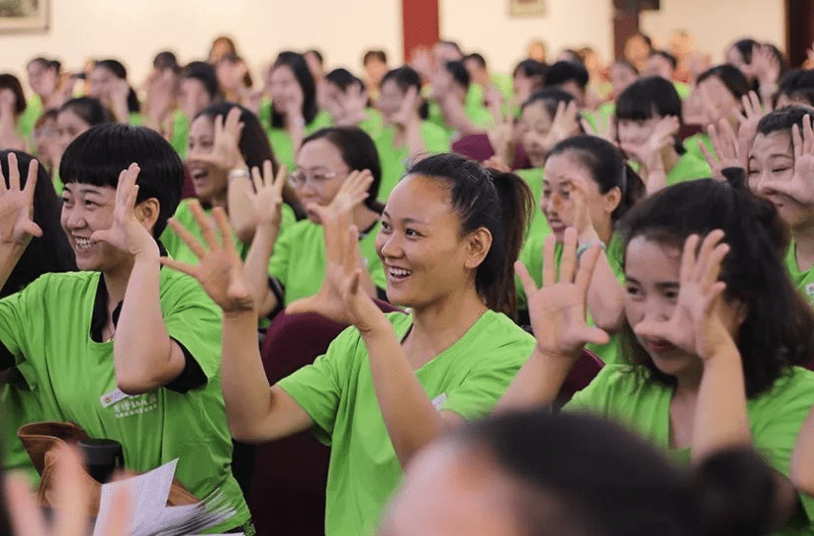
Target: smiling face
[[320, 163], [85, 209], [635, 132], [621, 76], [425, 258], [561, 171], [390, 100], [772, 161], [535, 124], [101, 83], [284, 87], [210, 183]]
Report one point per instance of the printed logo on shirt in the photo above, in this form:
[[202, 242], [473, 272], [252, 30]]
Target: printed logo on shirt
[[136, 405], [439, 400]]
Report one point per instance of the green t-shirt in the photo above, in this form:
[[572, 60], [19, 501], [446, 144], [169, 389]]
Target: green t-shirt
[[682, 89], [178, 249], [33, 111], [337, 392], [47, 327], [689, 167], [282, 145], [803, 281], [180, 133], [373, 123], [532, 257], [691, 145], [395, 160], [298, 261], [538, 226], [628, 396]]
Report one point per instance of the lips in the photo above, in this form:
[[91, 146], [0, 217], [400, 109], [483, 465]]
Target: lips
[[83, 244], [398, 274], [660, 346]]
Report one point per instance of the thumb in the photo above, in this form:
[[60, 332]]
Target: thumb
[[594, 335], [100, 236], [652, 329], [33, 229], [304, 305]]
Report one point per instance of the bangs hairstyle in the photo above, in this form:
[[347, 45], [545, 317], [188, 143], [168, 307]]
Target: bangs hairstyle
[[206, 75], [12, 83], [89, 109], [118, 70], [550, 98], [296, 62], [648, 98], [730, 76], [784, 119], [607, 168], [98, 156], [405, 78], [778, 331], [254, 146], [343, 79], [359, 153], [499, 202], [798, 85]]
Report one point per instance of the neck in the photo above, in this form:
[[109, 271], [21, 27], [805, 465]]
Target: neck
[[441, 324], [605, 232], [670, 157], [116, 282], [219, 201], [364, 218], [688, 382], [804, 246]]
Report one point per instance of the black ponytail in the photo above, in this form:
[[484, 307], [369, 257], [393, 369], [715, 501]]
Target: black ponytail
[[499, 202]]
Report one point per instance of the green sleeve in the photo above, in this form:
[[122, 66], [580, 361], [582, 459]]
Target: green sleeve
[[278, 263], [317, 388], [17, 311], [598, 396], [689, 167], [436, 140], [288, 217], [135, 119], [479, 394], [180, 133], [192, 319], [372, 123], [169, 238]]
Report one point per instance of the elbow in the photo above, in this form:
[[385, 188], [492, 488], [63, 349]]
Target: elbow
[[243, 433], [134, 386]]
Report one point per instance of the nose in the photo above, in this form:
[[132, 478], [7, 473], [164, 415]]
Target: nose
[[74, 218], [657, 310], [763, 186], [389, 246]]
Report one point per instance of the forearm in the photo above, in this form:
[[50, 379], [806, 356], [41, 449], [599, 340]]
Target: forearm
[[241, 212], [415, 144], [456, 117], [538, 383], [802, 459], [296, 129], [255, 269], [144, 363], [721, 421], [605, 293], [411, 420]]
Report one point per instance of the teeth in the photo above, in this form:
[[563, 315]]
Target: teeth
[[83, 243], [399, 272]]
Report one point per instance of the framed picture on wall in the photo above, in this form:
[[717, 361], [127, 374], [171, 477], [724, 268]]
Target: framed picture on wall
[[24, 15], [526, 8]]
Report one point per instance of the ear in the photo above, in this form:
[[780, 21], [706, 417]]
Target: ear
[[478, 244], [147, 213], [612, 198]]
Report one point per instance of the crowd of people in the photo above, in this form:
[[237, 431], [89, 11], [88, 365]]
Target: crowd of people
[[478, 237]]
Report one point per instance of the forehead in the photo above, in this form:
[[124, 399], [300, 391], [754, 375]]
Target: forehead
[[192, 84], [650, 260], [772, 144], [320, 153], [565, 166], [421, 198], [535, 111], [80, 188], [282, 73], [202, 125]]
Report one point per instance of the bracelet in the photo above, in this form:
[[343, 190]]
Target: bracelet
[[588, 245], [240, 173]]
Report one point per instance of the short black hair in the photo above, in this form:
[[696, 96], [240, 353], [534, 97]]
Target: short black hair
[[730, 76], [667, 56], [343, 79], [296, 62], [745, 47], [778, 331], [98, 156], [784, 119], [797, 84], [649, 97], [550, 97], [48, 63], [459, 73], [477, 58], [377, 54], [9, 81], [89, 109], [204, 73], [166, 59], [453, 44], [566, 71], [531, 68]]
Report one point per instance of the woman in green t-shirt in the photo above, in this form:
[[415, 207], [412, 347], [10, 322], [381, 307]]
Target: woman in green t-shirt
[[588, 186], [781, 170], [336, 166], [225, 141], [294, 111], [346, 100], [389, 385], [715, 332], [406, 134], [648, 119]]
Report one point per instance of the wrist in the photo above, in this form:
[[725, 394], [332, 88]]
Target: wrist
[[238, 172], [148, 254], [589, 236]]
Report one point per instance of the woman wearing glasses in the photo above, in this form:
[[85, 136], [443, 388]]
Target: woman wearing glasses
[[225, 142], [337, 167]]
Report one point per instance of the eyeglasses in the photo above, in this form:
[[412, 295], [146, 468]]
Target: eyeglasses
[[298, 179], [39, 132]]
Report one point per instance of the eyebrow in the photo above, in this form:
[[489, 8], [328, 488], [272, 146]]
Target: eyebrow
[[83, 190], [405, 220], [662, 285]]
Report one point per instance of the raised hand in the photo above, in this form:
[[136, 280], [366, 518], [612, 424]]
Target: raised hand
[[17, 226], [352, 193], [663, 134], [727, 152], [801, 186], [501, 137], [225, 154], [220, 271], [753, 112], [558, 309], [563, 126], [605, 128], [407, 113], [127, 233], [574, 211], [267, 198], [695, 325], [341, 297], [766, 65]]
